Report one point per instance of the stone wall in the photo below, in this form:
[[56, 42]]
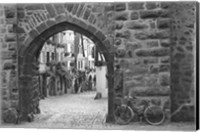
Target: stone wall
[[10, 93], [142, 45], [183, 41]]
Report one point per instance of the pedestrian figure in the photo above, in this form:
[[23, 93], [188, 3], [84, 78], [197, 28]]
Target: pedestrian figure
[[94, 81], [90, 83], [76, 85]]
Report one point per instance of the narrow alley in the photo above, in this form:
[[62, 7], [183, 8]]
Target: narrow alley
[[70, 110]]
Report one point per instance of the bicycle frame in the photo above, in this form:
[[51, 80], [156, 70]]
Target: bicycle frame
[[130, 103]]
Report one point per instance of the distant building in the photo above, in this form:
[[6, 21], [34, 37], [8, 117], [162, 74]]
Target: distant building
[[69, 48], [52, 82]]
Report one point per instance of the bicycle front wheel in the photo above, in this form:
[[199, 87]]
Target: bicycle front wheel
[[123, 115], [154, 115]]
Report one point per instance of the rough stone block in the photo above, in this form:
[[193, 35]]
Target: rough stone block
[[164, 68], [92, 29], [19, 29], [163, 23], [136, 5], [108, 8], [69, 6], [143, 52], [33, 33], [80, 10], [151, 91], [34, 7], [14, 103], [10, 12], [165, 43], [123, 34], [8, 54], [158, 52], [1, 12], [50, 23], [118, 42], [59, 8], [50, 10], [5, 104], [179, 56], [149, 14], [8, 66], [42, 27], [120, 6], [154, 69], [120, 53], [2, 30], [60, 18], [164, 13], [154, 14], [165, 5], [10, 115], [11, 37], [165, 59], [133, 46], [2, 21], [152, 43], [132, 69], [186, 113], [164, 79], [150, 60], [134, 15], [119, 25], [136, 25], [156, 102], [121, 16], [14, 96], [87, 14], [151, 5], [91, 18], [164, 34], [100, 35], [152, 25], [20, 14], [74, 9]]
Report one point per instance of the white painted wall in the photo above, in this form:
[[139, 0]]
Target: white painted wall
[[101, 81]]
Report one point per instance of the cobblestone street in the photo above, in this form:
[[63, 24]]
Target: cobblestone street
[[82, 111], [73, 110]]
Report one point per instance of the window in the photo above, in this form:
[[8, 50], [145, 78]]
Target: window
[[78, 64], [61, 54], [48, 57], [81, 64], [93, 52], [52, 56], [43, 57]]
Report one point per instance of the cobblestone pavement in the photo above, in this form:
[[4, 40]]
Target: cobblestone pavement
[[82, 111]]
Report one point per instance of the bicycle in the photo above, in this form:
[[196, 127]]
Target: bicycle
[[125, 112]]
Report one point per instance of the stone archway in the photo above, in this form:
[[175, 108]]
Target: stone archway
[[29, 97]]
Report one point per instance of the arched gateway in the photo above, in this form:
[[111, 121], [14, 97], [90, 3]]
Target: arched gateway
[[76, 17], [153, 43]]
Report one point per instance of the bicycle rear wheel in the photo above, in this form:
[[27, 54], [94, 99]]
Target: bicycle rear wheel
[[123, 115], [154, 115]]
